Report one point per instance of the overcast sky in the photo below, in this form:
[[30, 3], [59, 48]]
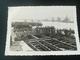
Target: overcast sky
[[41, 12]]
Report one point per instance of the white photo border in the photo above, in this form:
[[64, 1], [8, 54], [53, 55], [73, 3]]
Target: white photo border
[[41, 53]]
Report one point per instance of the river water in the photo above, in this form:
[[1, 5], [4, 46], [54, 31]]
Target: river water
[[59, 25]]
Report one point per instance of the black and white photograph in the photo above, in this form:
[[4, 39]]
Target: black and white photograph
[[42, 30]]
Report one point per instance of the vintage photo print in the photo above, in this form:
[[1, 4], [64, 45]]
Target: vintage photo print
[[42, 30]]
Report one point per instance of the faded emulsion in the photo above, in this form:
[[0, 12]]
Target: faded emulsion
[[42, 28]]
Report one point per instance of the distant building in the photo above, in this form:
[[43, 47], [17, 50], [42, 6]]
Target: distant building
[[53, 20], [59, 19], [66, 20]]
